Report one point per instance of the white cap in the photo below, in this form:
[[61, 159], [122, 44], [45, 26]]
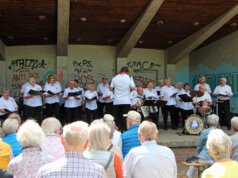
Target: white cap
[[133, 115], [108, 117]]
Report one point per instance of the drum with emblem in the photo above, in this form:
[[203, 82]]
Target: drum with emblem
[[194, 124]]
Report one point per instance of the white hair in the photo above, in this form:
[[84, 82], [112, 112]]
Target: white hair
[[98, 136], [234, 123], [50, 125], [147, 130], [75, 134], [223, 78], [219, 144], [212, 120], [30, 134], [10, 126]]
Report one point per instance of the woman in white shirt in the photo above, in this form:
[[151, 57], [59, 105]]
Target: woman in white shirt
[[71, 103], [7, 105], [91, 97], [52, 94], [33, 100]]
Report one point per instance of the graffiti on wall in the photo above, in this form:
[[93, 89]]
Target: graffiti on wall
[[143, 65]]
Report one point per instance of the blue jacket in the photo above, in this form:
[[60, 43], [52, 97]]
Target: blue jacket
[[130, 139], [201, 147], [16, 146]]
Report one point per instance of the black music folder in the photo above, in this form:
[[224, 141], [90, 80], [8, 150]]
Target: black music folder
[[52, 93], [158, 93], [74, 93], [185, 98], [149, 102], [94, 98], [34, 92], [8, 110], [174, 94], [161, 103]]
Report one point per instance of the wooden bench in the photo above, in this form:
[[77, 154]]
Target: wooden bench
[[200, 166]]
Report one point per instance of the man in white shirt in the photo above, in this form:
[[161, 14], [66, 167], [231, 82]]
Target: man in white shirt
[[205, 97], [177, 108], [168, 93], [101, 89], [202, 81], [223, 93], [159, 87], [33, 102], [122, 85], [7, 105], [71, 103], [149, 160]]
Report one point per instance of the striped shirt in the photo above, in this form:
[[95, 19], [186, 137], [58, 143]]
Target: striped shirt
[[72, 165]]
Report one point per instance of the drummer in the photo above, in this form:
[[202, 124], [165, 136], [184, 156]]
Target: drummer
[[205, 96], [202, 81]]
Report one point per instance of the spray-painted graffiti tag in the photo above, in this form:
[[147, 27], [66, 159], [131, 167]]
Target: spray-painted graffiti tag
[[24, 65], [144, 65]]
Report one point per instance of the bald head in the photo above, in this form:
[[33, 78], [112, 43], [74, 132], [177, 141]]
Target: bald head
[[148, 131]]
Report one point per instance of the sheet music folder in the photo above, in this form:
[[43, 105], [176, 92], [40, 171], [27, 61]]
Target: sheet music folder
[[158, 103], [186, 98]]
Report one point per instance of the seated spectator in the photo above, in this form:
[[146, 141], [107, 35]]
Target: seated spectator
[[52, 145], [5, 154], [130, 138], [149, 160], [5, 174], [75, 141], [234, 139], [30, 135], [203, 154], [116, 139], [98, 142], [10, 127], [219, 147]]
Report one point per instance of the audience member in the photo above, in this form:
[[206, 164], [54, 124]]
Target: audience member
[[98, 142], [30, 135], [219, 147], [10, 127], [5, 154], [5, 174], [15, 116], [116, 139], [51, 145], [130, 137], [234, 139], [75, 141], [149, 160], [203, 154]]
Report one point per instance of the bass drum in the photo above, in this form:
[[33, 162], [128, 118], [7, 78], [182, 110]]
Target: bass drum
[[194, 124]]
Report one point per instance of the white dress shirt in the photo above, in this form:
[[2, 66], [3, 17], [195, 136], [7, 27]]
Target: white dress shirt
[[71, 102], [122, 84], [205, 97], [106, 93], [207, 87], [54, 89], [167, 93], [9, 104], [185, 105], [93, 104], [36, 100], [23, 88], [158, 88], [150, 161], [101, 89], [150, 93], [177, 99], [223, 90], [79, 102]]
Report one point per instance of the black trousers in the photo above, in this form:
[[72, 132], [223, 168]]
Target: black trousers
[[185, 115], [109, 108], [224, 113], [118, 111], [100, 109], [169, 109], [155, 118], [91, 115], [72, 114], [33, 112], [177, 115], [52, 110]]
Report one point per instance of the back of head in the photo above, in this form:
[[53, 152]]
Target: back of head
[[30, 134], [98, 136], [10, 126], [212, 120], [75, 134], [219, 144], [148, 131], [133, 116], [50, 125], [15, 116], [234, 124], [124, 69]]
